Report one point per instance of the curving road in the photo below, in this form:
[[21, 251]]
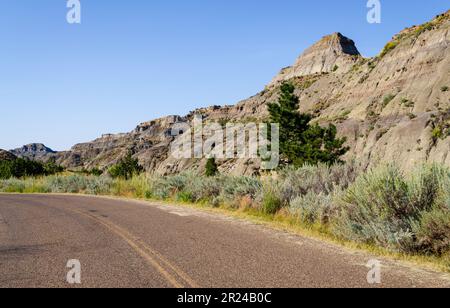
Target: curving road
[[138, 244]]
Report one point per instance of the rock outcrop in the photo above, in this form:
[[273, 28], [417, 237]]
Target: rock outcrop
[[150, 142], [5, 155], [332, 53], [34, 151], [393, 107]]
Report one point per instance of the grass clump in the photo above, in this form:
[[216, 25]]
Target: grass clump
[[271, 201], [388, 48], [387, 99]]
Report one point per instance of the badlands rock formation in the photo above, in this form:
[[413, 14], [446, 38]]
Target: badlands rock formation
[[393, 107], [36, 151], [5, 155], [330, 54]]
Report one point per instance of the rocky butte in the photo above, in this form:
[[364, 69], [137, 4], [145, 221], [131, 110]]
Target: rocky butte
[[36, 151]]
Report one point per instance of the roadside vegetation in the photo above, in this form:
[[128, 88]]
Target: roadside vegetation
[[406, 213], [19, 168], [402, 213], [126, 168]]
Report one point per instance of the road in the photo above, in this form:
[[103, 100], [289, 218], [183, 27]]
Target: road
[[138, 244]]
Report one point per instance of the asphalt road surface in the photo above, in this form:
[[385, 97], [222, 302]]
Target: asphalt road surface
[[137, 244]]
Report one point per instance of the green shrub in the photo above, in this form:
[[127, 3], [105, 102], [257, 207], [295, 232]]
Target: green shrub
[[320, 179], [312, 208], [211, 167], [126, 168], [433, 232], [190, 187], [178, 182], [99, 185], [20, 167], [185, 197], [271, 204], [369, 207], [241, 186], [159, 193], [96, 172], [387, 99], [51, 168], [423, 28], [6, 170], [28, 185], [12, 186], [384, 207], [426, 187], [203, 189], [412, 116], [150, 187], [437, 133], [271, 200], [68, 184], [371, 65], [388, 48]]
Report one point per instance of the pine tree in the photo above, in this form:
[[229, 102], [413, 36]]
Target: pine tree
[[300, 142], [126, 168], [211, 167]]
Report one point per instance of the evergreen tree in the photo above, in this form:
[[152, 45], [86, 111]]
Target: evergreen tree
[[21, 167], [96, 171], [300, 142], [211, 167], [51, 167], [126, 168]]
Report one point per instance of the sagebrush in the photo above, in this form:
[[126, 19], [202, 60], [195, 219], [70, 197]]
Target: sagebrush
[[386, 207]]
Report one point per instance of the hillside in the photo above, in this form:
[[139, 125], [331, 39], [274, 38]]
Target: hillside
[[34, 151], [393, 107], [5, 155]]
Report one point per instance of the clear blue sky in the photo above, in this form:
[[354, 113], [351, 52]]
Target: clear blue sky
[[133, 61]]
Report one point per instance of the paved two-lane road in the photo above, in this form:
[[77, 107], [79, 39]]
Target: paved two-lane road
[[137, 244]]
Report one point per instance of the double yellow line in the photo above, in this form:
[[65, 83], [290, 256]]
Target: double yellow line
[[175, 276]]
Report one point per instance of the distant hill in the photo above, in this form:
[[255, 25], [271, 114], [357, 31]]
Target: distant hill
[[34, 151], [5, 155]]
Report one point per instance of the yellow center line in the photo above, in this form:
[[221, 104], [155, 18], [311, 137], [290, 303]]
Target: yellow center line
[[150, 255]]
